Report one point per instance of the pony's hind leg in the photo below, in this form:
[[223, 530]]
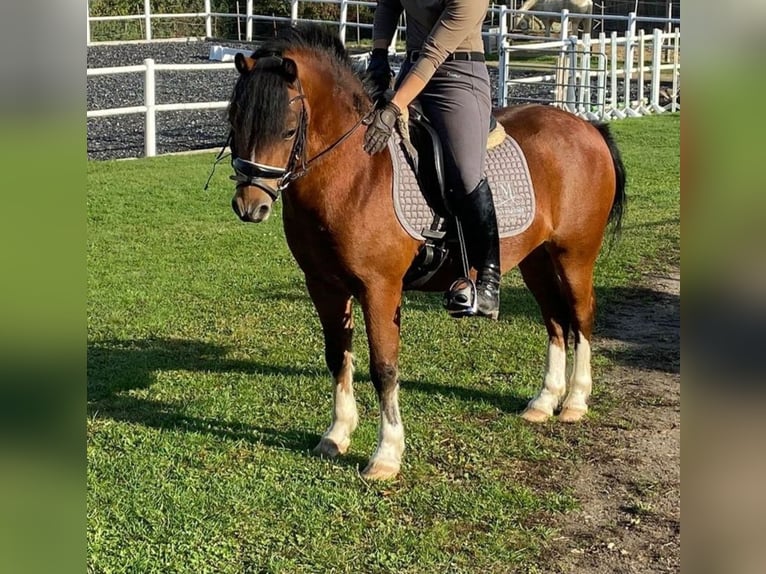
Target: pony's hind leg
[[381, 306], [576, 270], [540, 277], [334, 309]]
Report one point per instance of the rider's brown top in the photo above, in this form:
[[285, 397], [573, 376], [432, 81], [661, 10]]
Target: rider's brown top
[[436, 28]]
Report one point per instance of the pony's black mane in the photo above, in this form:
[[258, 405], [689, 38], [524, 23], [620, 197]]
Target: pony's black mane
[[307, 36], [259, 103]]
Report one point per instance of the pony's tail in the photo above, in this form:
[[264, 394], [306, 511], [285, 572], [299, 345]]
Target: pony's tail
[[620, 199]]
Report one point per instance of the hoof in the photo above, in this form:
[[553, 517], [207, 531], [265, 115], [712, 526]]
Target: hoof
[[569, 415], [330, 449], [534, 415], [380, 471]]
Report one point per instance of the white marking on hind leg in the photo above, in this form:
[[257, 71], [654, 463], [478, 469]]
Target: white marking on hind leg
[[554, 385], [581, 383], [337, 438], [387, 459]]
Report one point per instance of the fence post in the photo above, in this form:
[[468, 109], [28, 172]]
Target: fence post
[[293, 12], [654, 105], [208, 21], [601, 82], [630, 47], [395, 38], [249, 20], [642, 109], [585, 106], [668, 30], [343, 19], [615, 112], [502, 67], [570, 91], [676, 48], [631, 24], [564, 25], [148, 19], [87, 23], [150, 135]]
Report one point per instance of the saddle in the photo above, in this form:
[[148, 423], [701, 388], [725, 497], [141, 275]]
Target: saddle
[[424, 150]]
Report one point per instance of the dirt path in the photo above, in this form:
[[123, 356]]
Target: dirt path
[[629, 490]]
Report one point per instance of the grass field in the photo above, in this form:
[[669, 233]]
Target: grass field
[[207, 390]]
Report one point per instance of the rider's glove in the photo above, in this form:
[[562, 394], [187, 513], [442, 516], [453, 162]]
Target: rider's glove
[[381, 127]]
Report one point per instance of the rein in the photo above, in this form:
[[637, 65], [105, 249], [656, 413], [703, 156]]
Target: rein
[[252, 173]]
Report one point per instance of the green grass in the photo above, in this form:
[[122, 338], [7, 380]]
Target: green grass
[[207, 389]]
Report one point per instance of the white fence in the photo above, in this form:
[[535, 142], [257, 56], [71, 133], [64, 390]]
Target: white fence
[[586, 76], [150, 108], [498, 18], [591, 77], [249, 17]]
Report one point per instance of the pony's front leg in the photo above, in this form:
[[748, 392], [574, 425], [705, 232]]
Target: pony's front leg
[[334, 309], [381, 307]]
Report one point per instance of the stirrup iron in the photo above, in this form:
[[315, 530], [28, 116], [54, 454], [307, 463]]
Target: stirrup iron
[[461, 299]]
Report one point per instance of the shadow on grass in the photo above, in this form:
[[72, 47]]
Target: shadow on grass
[[117, 366], [166, 416], [506, 402], [638, 327], [644, 322], [646, 325]]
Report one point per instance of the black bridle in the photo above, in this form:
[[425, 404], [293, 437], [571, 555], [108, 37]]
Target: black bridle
[[251, 173]]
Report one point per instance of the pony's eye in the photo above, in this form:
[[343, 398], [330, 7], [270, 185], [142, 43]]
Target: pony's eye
[[289, 134]]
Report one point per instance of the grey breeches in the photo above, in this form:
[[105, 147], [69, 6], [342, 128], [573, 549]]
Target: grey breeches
[[457, 101]]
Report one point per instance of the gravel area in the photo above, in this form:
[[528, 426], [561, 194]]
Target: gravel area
[[123, 136]]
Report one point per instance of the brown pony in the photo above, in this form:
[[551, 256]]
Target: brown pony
[[296, 130]]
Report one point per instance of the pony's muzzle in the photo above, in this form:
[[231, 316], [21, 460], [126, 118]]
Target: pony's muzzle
[[251, 211]]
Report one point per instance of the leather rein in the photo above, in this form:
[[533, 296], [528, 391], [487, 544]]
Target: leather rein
[[255, 174]]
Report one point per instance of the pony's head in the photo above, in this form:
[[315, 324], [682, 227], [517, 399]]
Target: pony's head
[[269, 112], [267, 118]]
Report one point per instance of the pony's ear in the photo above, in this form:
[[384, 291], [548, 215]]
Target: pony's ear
[[243, 63], [290, 69]]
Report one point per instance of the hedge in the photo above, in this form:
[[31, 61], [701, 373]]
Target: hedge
[[224, 28]]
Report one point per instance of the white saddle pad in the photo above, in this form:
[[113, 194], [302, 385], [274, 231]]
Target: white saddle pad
[[508, 177]]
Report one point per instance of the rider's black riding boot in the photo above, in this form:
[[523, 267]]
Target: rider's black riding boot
[[477, 214]]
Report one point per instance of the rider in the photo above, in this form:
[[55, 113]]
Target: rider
[[445, 70]]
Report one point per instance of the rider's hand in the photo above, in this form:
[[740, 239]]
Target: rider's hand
[[379, 73], [381, 127]]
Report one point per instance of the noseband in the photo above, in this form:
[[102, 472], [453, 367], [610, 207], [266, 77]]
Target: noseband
[[250, 173]]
